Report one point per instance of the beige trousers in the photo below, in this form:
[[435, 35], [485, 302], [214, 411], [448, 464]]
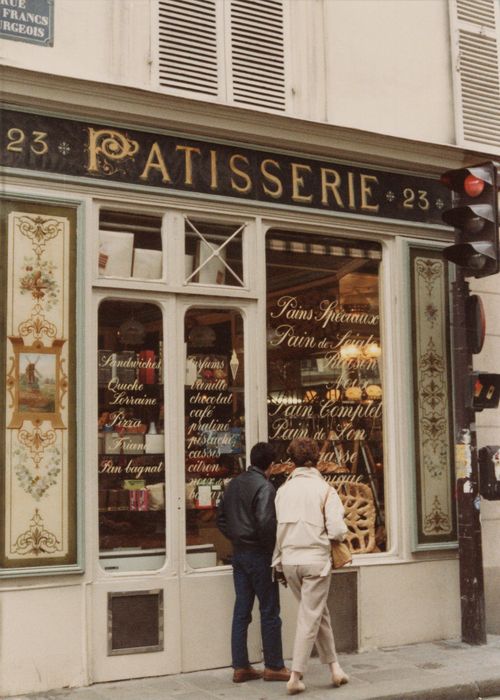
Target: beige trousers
[[313, 620]]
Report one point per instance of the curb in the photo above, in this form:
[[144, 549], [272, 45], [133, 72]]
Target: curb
[[475, 690], [489, 688]]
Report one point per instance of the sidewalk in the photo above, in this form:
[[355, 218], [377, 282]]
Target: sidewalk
[[431, 671]]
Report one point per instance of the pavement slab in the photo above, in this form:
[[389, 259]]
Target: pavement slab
[[442, 670]]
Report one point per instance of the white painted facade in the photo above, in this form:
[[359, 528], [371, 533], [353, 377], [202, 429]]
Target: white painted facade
[[366, 82]]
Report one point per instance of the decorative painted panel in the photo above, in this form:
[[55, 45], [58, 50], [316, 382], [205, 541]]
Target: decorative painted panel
[[433, 418], [38, 417]]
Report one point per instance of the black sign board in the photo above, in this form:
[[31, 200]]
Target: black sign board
[[173, 162]]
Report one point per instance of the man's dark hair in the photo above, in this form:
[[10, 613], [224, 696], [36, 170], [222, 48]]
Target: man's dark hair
[[262, 455]]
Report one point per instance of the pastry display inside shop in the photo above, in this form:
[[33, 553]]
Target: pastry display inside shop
[[373, 391]]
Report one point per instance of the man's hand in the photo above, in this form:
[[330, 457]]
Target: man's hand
[[280, 578]]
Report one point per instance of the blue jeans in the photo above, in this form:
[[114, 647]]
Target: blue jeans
[[252, 577]]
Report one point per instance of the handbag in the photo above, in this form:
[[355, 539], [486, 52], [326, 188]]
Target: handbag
[[340, 554]]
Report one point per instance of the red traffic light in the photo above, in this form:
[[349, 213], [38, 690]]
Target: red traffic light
[[469, 181], [473, 186], [474, 215]]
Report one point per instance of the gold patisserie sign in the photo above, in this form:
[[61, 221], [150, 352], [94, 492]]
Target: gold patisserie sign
[[174, 163]]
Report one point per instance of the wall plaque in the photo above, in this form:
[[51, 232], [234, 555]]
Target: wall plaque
[[31, 21]]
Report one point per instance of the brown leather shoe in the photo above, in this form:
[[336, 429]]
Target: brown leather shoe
[[282, 675], [242, 675]]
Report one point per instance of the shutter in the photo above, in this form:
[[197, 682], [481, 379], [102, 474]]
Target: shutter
[[188, 52], [257, 53], [477, 72]]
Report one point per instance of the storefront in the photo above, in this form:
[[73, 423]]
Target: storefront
[[167, 302]]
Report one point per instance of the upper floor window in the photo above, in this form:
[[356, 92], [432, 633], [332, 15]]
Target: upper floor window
[[230, 50]]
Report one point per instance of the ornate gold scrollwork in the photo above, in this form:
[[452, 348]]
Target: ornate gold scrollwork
[[38, 325], [39, 230], [106, 145], [36, 540], [37, 441]]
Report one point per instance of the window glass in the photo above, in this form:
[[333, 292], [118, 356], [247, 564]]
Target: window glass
[[213, 253], [324, 368], [214, 426], [131, 446], [130, 245]]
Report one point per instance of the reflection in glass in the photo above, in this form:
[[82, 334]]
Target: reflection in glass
[[130, 245], [214, 426], [324, 368], [131, 446], [213, 253]]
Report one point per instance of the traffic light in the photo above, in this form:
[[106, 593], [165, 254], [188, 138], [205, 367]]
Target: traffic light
[[475, 216], [485, 390]]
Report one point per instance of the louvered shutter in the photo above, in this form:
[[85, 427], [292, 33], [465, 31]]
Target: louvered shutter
[[476, 27], [188, 49], [257, 53]]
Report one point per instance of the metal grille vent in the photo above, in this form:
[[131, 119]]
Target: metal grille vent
[[480, 87], [135, 622], [188, 56], [477, 11], [257, 53]]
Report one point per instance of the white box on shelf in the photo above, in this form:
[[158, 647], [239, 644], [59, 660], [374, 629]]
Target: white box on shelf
[[115, 253], [154, 443], [112, 443], [147, 264]]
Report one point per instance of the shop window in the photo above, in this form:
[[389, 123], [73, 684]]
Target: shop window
[[131, 446], [324, 369], [214, 426], [130, 245], [213, 254]]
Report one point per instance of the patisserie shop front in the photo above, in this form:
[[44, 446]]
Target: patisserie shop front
[[168, 302]]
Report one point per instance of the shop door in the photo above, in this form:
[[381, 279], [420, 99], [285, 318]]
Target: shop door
[[135, 596], [219, 424]]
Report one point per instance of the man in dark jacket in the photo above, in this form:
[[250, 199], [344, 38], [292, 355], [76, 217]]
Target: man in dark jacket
[[246, 516]]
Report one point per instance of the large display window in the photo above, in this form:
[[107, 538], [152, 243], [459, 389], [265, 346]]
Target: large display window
[[324, 368], [131, 445], [214, 426]]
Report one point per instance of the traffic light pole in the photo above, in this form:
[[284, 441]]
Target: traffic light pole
[[467, 477]]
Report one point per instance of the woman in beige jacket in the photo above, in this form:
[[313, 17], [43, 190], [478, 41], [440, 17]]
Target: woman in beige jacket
[[309, 514]]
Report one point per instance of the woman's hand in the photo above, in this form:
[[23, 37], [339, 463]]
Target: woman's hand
[[279, 576]]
